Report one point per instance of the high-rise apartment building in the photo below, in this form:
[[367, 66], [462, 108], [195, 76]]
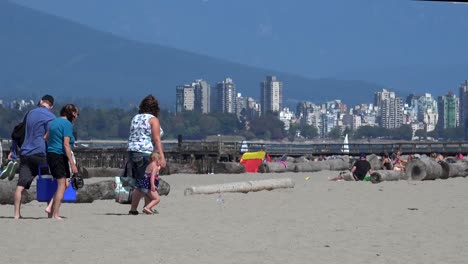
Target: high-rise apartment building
[[382, 95], [225, 97], [390, 109], [193, 97], [202, 96], [271, 95], [185, 98], [464, 104], [449, 107]]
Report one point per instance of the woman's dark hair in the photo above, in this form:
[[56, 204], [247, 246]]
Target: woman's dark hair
[[149, 105], [68, 111]]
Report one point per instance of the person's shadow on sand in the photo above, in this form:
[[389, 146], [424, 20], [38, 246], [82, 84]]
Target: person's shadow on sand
[[115, 214], [24, 218]]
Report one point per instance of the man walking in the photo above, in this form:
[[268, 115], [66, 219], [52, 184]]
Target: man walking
[[33, 151]]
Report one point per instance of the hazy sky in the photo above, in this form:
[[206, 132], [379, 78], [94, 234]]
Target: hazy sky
[[316, 38]]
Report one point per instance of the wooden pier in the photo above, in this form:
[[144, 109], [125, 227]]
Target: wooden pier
[[98, 155], [113, 154]]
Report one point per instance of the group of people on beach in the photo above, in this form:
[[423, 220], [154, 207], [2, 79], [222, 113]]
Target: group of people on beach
[[47, 145], [48, 142], [362, 169]]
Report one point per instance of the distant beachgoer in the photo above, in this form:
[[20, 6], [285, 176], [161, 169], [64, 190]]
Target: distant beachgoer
[[33, 149], [439, 157], [149, 185], [59, 155], [145, 137], [399, 162], [460, 156], [387, 162], [361, 168]]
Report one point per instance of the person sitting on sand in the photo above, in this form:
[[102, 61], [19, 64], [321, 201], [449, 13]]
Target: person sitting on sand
[[150, 183], [399, 162], [387, 162], [361, 168]]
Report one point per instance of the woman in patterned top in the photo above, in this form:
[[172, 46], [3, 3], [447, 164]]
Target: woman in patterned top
[[145, 136]]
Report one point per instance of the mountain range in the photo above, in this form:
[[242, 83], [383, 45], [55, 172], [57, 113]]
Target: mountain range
[[42, 53]]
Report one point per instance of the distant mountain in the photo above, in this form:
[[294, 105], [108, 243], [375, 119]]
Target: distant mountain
[[41, 53]]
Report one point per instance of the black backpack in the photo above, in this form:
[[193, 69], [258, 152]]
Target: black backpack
[[19, 132]]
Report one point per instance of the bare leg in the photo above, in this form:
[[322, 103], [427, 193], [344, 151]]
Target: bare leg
[[155, 200], [48, 210], [17, 201], [147, 200], [61, 186]]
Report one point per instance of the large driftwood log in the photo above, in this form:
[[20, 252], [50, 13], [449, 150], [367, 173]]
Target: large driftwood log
[[375, 162], [337, 164], [7, 189], [458, 168], [340, 163], [243, 187], [276, 167], [101, 172], [228, 168], [103, 190], [425, 169], [387, 175]]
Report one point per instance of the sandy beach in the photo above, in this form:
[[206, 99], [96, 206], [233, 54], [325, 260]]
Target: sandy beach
[[316, 222]]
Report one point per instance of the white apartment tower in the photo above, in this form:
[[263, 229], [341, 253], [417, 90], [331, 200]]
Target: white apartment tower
[[185, 98], [226, 96], [271, 95], [390, 109]]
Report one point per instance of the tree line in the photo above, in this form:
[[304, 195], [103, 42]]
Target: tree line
[[114, 123]]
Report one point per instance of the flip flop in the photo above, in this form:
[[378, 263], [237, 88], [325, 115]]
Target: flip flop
[[13, 171], [9, 168]]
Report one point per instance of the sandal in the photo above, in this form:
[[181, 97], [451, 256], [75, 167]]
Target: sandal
[[133, 212]]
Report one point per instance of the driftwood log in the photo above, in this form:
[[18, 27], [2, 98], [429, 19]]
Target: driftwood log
[[311, 166], [101, 172], [276, 167], [375, 162], [228, 168], [242, 187], [458, 168], [387, 175], [337, 164], [7, 189], [103, 190], [426, 169]]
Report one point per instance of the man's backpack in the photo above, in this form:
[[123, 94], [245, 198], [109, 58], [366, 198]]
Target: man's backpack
[[19, 132]]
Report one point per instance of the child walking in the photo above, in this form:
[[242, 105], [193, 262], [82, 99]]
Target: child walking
[[152, 182]]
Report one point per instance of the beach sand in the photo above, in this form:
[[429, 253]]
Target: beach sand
[[316, 222]]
